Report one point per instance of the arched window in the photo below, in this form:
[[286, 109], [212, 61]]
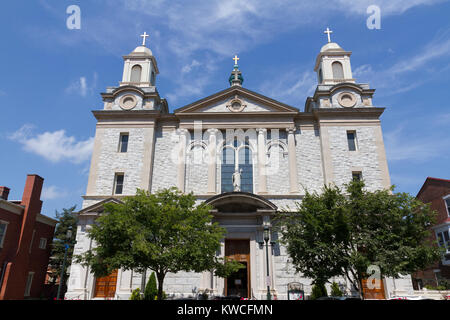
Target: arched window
[[237, 156], [338, 70], [153, 79], [228, 168], [245, 163], [136, 73]]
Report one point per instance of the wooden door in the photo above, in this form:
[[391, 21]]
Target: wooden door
[[238, 250], [375, 293], [105, 287]]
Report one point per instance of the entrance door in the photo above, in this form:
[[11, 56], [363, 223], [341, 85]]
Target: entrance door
[[239, 282], [375, 293], [105, 287]]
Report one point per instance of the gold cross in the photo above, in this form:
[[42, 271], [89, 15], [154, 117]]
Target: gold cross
[[235, 59]]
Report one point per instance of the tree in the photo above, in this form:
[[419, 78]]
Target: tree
[[318, 290], [164, 232], [150, 289], [335, 290], [67, 219], [335, 234]]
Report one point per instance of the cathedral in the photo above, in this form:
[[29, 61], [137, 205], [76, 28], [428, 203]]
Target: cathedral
[[247, 155]]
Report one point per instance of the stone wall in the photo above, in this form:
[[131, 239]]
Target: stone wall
[[165, 167], [364, 159], [111, 161], [309, 160]]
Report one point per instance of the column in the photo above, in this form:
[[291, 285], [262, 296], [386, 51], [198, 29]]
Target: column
[[292, 160], [182, 159], [149, 149], [262, 160], [212, 159]]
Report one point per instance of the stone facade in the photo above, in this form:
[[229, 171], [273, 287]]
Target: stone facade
[[291, 152]]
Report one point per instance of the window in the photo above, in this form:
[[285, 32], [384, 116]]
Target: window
[[338, 70], [235, 157], [42, 243], [123, 142], [227, 169], [28, 285], [351, 139], [3, 227], [118, 183], [357, 175], [245, 164], [136, 73], [32, 239], [447, 204], [153, 79], [320, 76], [444, 242]]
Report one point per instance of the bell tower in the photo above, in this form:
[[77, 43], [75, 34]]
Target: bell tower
[[140, 67], [333, 64]]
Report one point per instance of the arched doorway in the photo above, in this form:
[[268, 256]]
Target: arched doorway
[[243, 215]]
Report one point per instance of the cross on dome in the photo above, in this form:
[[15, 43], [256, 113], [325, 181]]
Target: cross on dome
[[144, 36], [235, 59], [328, 32]]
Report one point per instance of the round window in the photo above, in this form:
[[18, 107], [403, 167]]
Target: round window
[[236, 105], [128, 102], [347, 99]]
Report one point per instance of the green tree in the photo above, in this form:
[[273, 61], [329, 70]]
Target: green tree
[[341, 234], [335, 290], [318, 290], [67, 219], [150, 289], [164, 232]]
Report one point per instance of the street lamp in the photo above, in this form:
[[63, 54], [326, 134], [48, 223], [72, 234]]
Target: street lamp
[[66, 248], [266, 240]]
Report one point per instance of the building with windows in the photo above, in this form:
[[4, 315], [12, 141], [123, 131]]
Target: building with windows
[[247, 155], [25, 242], [436, 192]]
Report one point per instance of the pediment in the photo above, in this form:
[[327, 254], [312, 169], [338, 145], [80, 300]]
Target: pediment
[[98, 207], [236, 100]]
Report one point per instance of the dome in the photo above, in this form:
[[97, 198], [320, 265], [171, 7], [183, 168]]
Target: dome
[[331, 46], [143, 50]]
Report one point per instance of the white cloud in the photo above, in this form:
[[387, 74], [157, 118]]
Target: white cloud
[[388, 7], [53, 192], [182, 30], [54, 146], [397, 78], [291, 87], [80, 86], [407, 146]]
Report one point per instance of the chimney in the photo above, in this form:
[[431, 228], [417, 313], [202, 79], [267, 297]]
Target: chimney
[[4, 192]]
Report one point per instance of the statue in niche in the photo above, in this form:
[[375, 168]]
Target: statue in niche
[[236, 179]]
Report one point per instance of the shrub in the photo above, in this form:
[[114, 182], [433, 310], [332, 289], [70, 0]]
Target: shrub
[[151, 291], [136, 294], [318, 290], [335, 290]]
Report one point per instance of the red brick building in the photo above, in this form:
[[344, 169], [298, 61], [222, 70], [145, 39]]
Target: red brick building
[[25, 240], [436, 192]]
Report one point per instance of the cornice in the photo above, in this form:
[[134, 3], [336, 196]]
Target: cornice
[[229, 92], [126, 114], [47, 220], [332, 113], [127, 88]]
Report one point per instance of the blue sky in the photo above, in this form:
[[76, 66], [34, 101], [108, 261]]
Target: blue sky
[[52, 77]]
